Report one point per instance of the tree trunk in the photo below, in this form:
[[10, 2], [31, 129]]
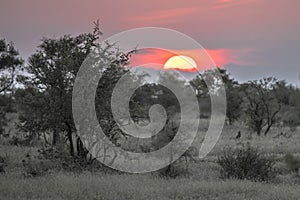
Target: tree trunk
[[271, 120], [78, 147], [81, 150], [258, 126], [69, 134], [258, 132], [54, 137], [267, 130], [230, 121]]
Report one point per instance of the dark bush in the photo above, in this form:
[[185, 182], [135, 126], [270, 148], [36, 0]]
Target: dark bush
[[34, 166], [3, 163], [172, 171], [60, 154], [20, 141], [292, 162], [246, 163]]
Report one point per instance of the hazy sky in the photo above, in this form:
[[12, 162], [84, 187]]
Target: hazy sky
[[259, 37]]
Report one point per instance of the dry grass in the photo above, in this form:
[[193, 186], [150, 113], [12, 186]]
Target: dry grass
[[202, 183], [92, 186]]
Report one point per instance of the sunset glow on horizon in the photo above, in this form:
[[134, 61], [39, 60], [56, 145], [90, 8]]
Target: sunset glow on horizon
[[202, 59]]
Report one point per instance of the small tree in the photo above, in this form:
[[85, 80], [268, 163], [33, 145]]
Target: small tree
[[231, 86], [46, 102], [261, 104]]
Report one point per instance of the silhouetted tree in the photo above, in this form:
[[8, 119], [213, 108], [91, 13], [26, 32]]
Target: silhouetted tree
[[52, 71], [233, 93], [261, 104]]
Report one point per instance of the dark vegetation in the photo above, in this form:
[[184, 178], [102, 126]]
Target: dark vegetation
[[293, 163], [3, 163], [246, 163]]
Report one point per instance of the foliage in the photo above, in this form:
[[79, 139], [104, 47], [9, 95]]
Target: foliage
[[291, 120], [292, 117], [53, 71], [34, 167], [57, 159], [18, 141], [45, 103], [103, 104], [233, 96], [246, 163], [9, 63], [3, 121], [3, 163], [292, 162], [33, 106], [261, 103], [233, 93]]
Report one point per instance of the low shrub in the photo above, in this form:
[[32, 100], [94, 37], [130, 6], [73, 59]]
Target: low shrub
[[59, 154], [292, 162], [246, 162], [173, 171], [18, 141], [34, 167], [3, 163]]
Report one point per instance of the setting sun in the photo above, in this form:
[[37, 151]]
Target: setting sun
[[181, 62]]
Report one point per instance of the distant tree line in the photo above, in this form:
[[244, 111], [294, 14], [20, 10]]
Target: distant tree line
[[259, 103]]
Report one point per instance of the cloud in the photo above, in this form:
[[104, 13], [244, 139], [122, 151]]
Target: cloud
[[230, 3], [162, 17], [241, 56], [204, 58]]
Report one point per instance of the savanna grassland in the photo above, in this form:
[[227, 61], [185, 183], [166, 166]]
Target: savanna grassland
[[201, 181], [44, 156]]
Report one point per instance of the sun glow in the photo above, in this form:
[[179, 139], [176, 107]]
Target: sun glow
[[181, 63]]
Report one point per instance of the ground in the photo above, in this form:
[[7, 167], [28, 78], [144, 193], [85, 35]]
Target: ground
[[202, 182]]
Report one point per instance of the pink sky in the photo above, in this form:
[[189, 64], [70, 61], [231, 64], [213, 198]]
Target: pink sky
[[221, 57], [254, 37]]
